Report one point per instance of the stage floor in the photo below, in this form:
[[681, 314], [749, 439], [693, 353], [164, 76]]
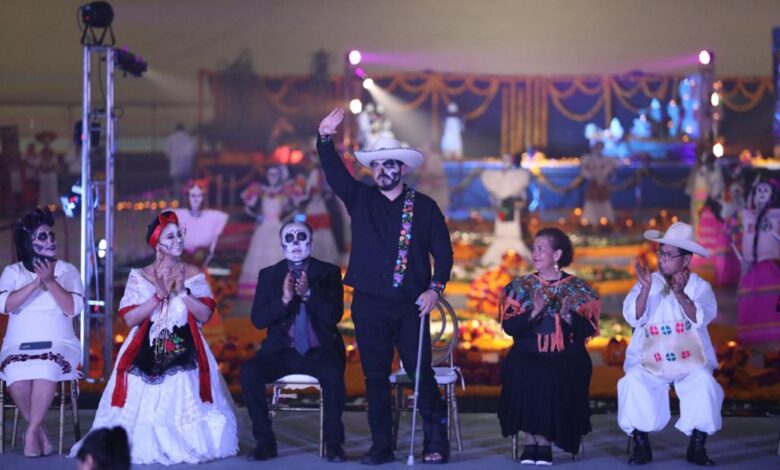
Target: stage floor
[[743, 443]]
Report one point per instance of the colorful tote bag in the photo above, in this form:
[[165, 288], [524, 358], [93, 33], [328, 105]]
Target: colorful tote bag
[[672, 350]]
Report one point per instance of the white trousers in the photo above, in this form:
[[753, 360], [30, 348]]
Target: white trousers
[[643, 402]]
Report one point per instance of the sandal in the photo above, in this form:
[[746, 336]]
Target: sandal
[[435, 458]]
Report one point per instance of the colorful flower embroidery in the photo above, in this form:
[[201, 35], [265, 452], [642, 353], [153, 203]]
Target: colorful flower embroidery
[[671, 357], [657, 357], [404, 239], [653, 330], [666, 330], [685, 354]]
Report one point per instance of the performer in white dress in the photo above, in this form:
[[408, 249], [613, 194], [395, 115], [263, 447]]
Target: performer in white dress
[[202, 227], [597, 169], [166, 389], [451, 139], [507, 187], [273, 198], [318, 218], [41, 295]]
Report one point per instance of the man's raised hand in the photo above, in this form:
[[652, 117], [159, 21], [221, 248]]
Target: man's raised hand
[[329, 125]]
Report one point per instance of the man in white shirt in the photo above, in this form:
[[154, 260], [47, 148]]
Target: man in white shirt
[[669, 311], [180, 149]]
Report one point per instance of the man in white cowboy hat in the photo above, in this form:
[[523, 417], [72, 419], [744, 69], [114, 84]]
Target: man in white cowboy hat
[[669, 311], [395, 230]]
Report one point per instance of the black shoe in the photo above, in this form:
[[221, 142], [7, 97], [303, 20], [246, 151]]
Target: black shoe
[[642, 453], [544, 455], [263, 451], [334, 453], [378, 454], [697, 453], [528, 457]]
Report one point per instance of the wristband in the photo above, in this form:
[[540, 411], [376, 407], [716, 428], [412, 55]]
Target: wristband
[[324, 138], [187, 291], [438, 287]]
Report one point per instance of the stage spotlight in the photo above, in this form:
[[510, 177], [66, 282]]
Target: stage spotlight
[[355, 57], [368, 83], [127, 62], [355, 106], [715, 99], [97, 14], [705, 57], [717, 150], [360, 73]]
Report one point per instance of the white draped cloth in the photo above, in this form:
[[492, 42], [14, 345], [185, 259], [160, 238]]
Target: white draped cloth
[[40, 319], [168, 423], [503, 184], [643, 397]]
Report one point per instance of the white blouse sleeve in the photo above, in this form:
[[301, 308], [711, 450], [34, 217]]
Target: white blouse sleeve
[[7, 285], [198, 286], [136, 292], [70, 280]]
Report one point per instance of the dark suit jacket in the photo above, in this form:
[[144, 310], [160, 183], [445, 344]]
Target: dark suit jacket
[[325, 306]]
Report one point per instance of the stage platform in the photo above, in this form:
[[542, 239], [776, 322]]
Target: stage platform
[[744, 443]]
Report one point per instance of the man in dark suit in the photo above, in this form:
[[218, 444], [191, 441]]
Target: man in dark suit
[[300, 301]]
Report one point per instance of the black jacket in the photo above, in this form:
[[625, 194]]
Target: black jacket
[[325, 307], [376, 225]]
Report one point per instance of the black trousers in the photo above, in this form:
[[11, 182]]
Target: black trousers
[[380, 325], [266, 367]]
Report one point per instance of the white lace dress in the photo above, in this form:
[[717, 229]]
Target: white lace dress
[[166, 419]]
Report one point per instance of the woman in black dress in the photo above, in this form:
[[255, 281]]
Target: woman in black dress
[[546, 375]]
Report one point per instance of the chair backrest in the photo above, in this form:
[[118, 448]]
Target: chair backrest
[[444, 333]]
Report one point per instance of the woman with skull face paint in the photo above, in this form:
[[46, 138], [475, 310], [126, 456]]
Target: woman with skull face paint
[[166, 389], [274, 198], [758, 307], [202, 227], [41, 295]]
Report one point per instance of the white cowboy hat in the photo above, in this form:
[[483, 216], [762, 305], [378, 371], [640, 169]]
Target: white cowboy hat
[[679, 235], [387, 148]]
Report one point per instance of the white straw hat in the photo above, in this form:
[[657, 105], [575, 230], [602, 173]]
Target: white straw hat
[[679, 235]]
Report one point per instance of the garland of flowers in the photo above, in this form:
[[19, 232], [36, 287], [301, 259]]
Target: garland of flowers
[[404, 239]]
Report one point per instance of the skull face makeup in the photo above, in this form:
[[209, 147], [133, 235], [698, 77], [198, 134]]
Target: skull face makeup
[[171, 240], [762, 195], [196, 198], [44, 242], [296, 241], [387, 173], [274, 176]]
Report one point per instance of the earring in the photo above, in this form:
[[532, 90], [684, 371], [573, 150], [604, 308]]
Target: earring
[[556, 267]]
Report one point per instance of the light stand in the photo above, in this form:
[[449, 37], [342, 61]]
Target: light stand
[[95, 309]]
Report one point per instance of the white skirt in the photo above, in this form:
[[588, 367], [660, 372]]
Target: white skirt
[[58, 363], [167, 423]]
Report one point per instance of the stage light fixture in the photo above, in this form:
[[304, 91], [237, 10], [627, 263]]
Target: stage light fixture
[[360, 73], [355, 57], [717, 150], [715, 99], [355, 106], [705, 57], [97, 14], [127, 62], [368, 83]]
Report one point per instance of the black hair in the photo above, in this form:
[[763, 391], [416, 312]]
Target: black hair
[[290, 222], [153, 225], [24, 229], [109, 449], [559, 241]]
